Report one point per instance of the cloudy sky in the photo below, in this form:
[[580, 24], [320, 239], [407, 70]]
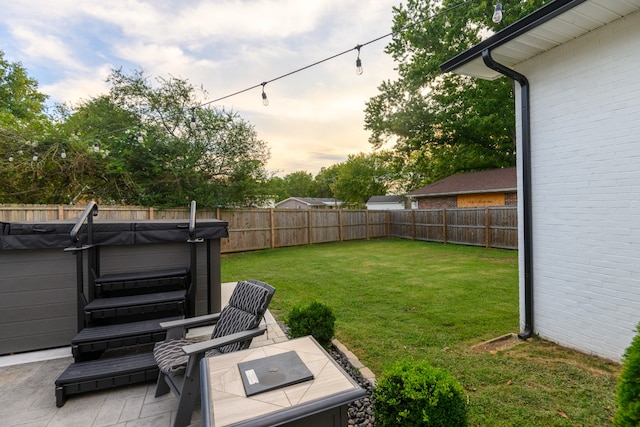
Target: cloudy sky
[[315, 117]]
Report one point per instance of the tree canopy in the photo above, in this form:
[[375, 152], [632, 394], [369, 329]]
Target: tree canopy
[[439, 124], [147, 142]]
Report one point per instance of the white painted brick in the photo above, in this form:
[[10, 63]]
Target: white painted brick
[[585, 115]]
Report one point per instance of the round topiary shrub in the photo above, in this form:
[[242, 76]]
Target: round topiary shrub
[[417, 394], [316, 319], [628, 392]]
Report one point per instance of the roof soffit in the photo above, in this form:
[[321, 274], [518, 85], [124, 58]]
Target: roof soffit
[[550, 26]]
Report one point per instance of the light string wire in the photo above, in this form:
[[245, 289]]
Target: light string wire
[[264, 83]]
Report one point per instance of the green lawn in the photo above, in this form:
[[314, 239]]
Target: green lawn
[[397, 299]]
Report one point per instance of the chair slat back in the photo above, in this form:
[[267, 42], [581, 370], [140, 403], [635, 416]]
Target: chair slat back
[[246, 308]]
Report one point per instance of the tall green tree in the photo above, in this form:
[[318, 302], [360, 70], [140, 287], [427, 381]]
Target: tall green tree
[[438, 124], [26, 135], [362, 176], [300, 184]]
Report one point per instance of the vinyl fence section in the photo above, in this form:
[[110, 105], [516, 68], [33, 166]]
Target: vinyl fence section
[[256, 229]]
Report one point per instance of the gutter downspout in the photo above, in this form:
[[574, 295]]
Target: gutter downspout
[[526, 188]]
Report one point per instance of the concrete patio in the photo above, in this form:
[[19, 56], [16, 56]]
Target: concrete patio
[[27, 391]]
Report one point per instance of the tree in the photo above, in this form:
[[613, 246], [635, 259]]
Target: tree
[[300, 184], [20, 100], [25, 135], [360, 177], [443, 124]]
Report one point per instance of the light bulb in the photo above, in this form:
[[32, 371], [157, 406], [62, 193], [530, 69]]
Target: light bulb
[[11, 157], [96, 147], [35, 156], [193, 118], [63, 154], [140, 139], [359, 69], [497, 14], [265, 100]]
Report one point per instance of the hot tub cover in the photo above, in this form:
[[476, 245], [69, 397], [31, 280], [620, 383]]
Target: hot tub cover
[[56, 234]]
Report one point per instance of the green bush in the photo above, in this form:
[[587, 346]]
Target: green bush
[[316, 319], [417, 394], [628, 392]]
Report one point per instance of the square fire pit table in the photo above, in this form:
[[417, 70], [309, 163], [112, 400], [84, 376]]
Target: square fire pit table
[[318, 402]]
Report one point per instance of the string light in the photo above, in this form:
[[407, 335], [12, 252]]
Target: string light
[[193, 118], [359, 69], [497, 13], [35, 156], [63, 153], [265, 100], [497, 17]]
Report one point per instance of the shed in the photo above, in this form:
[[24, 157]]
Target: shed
[[386, 203], [493, 187], [578, 121], [309, 203]]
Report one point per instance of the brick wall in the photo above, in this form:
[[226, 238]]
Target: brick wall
[[450, 202], [585, 113]]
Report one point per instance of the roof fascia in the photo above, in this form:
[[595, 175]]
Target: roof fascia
[[533, 20]]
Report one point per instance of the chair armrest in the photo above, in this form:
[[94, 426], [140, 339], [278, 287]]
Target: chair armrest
[[196, 351], [202, 346], [177, 328], [191, 322]]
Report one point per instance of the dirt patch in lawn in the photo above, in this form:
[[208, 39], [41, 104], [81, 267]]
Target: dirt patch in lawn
[[497, 344]]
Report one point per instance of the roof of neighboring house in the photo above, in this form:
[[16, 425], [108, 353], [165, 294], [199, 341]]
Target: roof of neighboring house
[[487, 181], [313, 201], [553, 24], [386, 199]]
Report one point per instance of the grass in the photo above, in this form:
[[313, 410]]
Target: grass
[[401, 299]]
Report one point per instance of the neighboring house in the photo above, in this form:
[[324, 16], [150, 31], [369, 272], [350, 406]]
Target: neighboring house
[[308, 203], [495, 187], [578, 123], [386, 203]]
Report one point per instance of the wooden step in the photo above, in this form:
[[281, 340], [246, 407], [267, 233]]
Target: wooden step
[[91, 341], [142, 281], [103, 374], [132, 308]]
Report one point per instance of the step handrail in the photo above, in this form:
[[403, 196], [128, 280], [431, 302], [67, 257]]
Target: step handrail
[[193, 268], [87, 215]]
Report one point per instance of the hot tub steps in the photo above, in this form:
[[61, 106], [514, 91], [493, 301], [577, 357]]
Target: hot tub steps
[[91, 342], [121, 324], [104, 374], [122, 284], [134, 307]]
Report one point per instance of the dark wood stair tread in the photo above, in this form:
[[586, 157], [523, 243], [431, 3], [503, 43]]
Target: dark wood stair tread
[[142, 275], [134, 300], [104, 368], [121, 330]]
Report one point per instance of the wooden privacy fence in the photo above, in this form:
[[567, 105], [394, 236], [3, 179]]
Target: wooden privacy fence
[[255, 229]]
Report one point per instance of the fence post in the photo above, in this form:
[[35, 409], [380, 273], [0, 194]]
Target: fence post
[[413, 225], [340, 224], [444, 225], [487, 229], [60, 212], [366, 219], [151, 214], [309, 238], [273, 228]]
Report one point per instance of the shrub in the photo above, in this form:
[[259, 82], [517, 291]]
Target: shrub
[[628, 391], [316, 319], [417, 394]]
